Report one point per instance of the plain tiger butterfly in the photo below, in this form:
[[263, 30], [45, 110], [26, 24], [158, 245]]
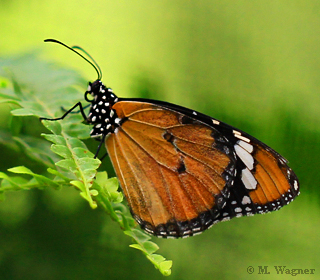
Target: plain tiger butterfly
[[182, 171]]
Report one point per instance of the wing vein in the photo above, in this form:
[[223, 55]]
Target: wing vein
[[137, 178]]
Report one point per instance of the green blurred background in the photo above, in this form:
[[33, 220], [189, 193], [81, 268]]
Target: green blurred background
[[252, 64]]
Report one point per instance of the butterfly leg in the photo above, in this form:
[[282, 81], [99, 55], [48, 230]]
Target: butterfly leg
[[68, 112], [75, 112], [100, 145], [104, 156]]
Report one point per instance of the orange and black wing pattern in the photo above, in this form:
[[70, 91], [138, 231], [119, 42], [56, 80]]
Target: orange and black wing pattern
[[182, 171]]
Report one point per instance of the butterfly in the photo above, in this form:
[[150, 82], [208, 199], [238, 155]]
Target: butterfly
[[182, 171]]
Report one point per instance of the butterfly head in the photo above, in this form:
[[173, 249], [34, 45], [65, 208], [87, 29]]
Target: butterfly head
[[101, 115]]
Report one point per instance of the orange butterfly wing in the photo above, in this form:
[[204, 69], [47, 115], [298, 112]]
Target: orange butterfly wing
[[174, 175], [181, 175]]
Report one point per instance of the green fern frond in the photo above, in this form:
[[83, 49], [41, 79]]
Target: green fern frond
[[36, 88]]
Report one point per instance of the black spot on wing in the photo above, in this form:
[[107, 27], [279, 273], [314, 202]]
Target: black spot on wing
[[181, 168], [186, 120], [168, 137]]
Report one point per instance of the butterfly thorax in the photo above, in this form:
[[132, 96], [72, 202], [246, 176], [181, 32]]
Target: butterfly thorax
[[101, 115]]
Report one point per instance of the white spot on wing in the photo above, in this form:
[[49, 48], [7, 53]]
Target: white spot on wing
[[246, 146], [242, 137], [215, 122], [236, 132], [245, 156], [295, 185], [283, 161], [246, 200], [248, 180], [238, 135]]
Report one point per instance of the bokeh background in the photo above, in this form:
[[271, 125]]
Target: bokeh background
[[252, 64]]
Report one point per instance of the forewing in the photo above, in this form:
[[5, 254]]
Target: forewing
[[176, 172]]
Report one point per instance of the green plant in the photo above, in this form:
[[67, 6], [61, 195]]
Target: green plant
[[38, 89]]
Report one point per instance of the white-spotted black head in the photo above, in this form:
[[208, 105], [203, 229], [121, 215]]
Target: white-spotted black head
[[103, 118], [101, 114]]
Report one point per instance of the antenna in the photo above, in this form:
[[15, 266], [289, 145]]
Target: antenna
[[93, 63]]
